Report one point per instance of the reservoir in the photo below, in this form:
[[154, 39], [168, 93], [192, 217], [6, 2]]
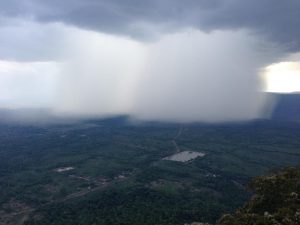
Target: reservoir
[[184, 156]]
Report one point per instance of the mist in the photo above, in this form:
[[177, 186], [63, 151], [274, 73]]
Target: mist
[[99, 76], [183, 77]]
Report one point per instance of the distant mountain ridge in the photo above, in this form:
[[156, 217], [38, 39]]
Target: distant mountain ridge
[[287, 107]]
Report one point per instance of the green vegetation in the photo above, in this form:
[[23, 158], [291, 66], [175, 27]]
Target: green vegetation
[[119, 177], [276, 201]]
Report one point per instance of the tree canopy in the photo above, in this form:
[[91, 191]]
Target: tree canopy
[[276, 201]]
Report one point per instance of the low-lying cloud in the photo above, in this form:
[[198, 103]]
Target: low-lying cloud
[[193, 76], [184, 76]]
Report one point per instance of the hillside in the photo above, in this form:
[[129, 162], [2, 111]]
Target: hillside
[[276, 201]]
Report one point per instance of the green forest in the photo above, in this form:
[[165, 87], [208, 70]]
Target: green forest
[[112, 172]]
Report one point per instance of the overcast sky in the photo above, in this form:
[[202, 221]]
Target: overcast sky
[[192, 60]]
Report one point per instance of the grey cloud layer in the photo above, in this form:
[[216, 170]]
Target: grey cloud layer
[[275, 19], [185, 74]]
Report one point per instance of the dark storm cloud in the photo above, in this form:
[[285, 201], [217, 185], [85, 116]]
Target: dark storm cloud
[[277, 20], [186, 73]]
